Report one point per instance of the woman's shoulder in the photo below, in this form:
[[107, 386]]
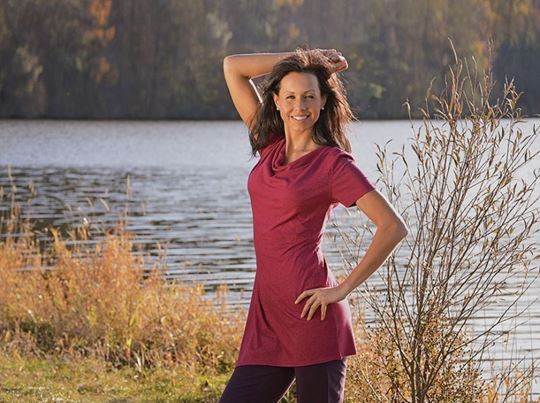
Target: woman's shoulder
[[334, 153], [336, 159]]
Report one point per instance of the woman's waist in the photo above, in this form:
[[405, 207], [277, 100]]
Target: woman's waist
[[302, 273], [288, 250]]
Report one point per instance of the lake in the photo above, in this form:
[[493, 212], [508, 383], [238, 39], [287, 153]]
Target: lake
[[187, 192]]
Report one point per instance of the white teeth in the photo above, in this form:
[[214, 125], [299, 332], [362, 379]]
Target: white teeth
[[300, 117]]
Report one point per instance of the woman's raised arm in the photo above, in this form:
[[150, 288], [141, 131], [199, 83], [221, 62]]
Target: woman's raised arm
[[239, 69]]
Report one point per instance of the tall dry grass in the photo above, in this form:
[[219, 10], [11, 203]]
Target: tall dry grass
[[102, 302]]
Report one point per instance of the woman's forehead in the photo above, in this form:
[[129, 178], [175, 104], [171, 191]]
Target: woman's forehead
[[299, 82]]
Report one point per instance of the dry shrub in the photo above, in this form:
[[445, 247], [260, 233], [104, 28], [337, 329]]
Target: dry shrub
[[468, 198]]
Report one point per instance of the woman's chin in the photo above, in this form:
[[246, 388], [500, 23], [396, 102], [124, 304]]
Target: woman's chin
[[299, 128]]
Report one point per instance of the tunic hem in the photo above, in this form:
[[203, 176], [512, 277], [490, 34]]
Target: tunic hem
[[294, 365]]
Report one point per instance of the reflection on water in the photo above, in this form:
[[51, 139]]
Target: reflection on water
[[184, 187]]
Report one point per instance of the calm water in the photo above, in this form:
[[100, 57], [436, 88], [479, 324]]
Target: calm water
[[187, 192]]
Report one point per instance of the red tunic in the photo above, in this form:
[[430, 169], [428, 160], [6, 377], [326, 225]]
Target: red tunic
[[291, 204]]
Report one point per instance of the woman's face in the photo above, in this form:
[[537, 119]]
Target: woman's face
[[299, 100]]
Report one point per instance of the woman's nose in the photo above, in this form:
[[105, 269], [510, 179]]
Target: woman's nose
[[301, 104]]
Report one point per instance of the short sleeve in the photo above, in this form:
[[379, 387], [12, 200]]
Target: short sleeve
[[347, 182]]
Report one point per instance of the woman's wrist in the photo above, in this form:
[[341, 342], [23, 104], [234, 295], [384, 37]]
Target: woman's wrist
[[345, 289]]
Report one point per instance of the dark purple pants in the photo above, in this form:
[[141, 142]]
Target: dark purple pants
[[323, 382]]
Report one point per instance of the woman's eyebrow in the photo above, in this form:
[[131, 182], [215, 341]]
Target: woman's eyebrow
[[292, 92]]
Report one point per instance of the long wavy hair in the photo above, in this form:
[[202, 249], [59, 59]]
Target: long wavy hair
[[267, 125]]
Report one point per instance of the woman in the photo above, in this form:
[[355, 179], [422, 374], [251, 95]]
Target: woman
[[305, 169]]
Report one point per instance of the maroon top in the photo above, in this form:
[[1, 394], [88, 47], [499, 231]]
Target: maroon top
[[291, 204]]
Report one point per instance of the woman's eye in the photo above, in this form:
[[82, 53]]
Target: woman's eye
[[290, 96]]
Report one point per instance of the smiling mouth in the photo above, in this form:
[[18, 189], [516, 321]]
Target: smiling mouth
[[300, 118]]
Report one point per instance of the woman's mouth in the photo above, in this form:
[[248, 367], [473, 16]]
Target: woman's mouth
[[300, 117]]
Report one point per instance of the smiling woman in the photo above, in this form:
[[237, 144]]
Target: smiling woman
[[300, 105], [297, 126]]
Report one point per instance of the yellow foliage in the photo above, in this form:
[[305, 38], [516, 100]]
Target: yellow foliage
[[100, 11]]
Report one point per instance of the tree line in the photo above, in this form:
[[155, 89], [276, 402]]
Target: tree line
[[162, 59]]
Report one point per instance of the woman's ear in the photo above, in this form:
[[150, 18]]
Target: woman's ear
[[324, 98], [276, 98]]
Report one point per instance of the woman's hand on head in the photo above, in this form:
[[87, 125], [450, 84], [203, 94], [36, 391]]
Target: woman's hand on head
[[336, 59]]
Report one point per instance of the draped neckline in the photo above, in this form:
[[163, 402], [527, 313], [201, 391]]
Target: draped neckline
[[278, 162]]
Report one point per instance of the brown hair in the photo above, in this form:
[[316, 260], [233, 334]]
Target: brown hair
[[329, 128]]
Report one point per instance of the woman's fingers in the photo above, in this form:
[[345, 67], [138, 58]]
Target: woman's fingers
[[337, 59], [311, 306], [307, 305], [312, 310], [339, 65], [331, 54], [323, 311], [319, 297]]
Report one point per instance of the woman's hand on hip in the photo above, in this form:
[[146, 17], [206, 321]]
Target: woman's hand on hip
[[320, 297]]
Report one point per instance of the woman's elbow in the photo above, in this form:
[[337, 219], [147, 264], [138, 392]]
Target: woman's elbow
[[226, 63], [397, 229], [230, 61], [402, 230]]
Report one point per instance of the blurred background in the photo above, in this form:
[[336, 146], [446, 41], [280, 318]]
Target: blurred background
[[136, 59]]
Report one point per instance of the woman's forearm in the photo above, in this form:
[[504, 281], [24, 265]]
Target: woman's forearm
[[253, 64], [383, 243]]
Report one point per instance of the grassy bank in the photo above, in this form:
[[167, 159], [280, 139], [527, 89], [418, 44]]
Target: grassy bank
[[57, 378]]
